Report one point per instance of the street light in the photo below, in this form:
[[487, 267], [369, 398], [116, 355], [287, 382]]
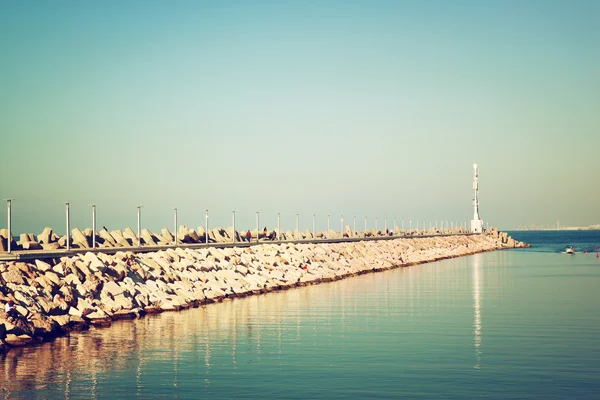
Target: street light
[[68, 226], [233, 233], [257, 225], [139, 237], [9, 221], [175, 226], [206, 227], [93, 226]]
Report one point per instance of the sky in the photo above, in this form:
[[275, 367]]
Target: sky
[[372, 109]]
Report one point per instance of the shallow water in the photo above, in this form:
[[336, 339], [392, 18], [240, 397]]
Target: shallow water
[[507, 324]]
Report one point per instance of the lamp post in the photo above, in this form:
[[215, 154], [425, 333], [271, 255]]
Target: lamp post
[[175, 226], [365, 233], [139, 215], [257, 225], [233, 233], [206, 226], [9, 221], [68, 226], [93, 226], [278, 226]]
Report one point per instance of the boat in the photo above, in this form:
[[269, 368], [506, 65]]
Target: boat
[[570, 250]]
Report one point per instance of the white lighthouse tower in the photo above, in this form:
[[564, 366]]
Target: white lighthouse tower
[[476, 222]]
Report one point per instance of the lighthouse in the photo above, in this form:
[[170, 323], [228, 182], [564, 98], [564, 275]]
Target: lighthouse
[[476, 222]]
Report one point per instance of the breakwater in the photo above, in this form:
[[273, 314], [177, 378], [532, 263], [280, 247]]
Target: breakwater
[[55, 296], [49, 240]]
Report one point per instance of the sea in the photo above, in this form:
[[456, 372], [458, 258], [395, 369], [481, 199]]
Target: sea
[[509, 324]]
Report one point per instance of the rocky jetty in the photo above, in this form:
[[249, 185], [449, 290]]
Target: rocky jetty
[[105, 239], [56, 296]]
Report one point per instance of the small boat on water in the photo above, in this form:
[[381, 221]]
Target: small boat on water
[[570, 250]]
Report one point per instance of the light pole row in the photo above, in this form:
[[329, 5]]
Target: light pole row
[[448, 225]]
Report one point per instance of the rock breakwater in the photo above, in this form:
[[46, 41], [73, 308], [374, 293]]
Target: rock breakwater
[[53, 297]]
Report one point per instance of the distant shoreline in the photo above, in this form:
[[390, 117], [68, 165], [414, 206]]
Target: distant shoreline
[[573, 228]]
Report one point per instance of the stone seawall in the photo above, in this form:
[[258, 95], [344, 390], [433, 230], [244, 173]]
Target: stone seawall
[[74, 293]]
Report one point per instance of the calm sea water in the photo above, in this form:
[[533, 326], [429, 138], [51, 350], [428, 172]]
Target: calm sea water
[[508, 324]]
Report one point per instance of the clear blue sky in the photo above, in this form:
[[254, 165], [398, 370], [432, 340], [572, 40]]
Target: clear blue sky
[[375, 108]]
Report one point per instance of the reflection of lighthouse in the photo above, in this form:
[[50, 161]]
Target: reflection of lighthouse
[[476, 222], [477, 312]]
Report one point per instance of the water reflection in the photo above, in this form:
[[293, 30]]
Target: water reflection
[[167, 338], [203, 345], [477, 308]]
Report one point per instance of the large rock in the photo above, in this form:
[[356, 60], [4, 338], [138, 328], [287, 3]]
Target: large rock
[[147, 237], [50, 246], [193, 236], [80, 239], [130, 235], [95, 264], [166, 235], [18, 340], [109, 240], [46, 236], [112, 288], [42, 266], [183, 235], [13, 275], [120, 239], [231, 234], [201, 233], [23, 238], [29, 245]]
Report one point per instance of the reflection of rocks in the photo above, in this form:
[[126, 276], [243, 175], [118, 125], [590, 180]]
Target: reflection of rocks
[[74, 292]]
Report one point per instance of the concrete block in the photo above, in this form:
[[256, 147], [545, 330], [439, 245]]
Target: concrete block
[[109, 241], [31, 246], [46, 236], [80, 238]]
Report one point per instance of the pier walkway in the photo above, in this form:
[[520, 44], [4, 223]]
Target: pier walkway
[[25, 255]]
